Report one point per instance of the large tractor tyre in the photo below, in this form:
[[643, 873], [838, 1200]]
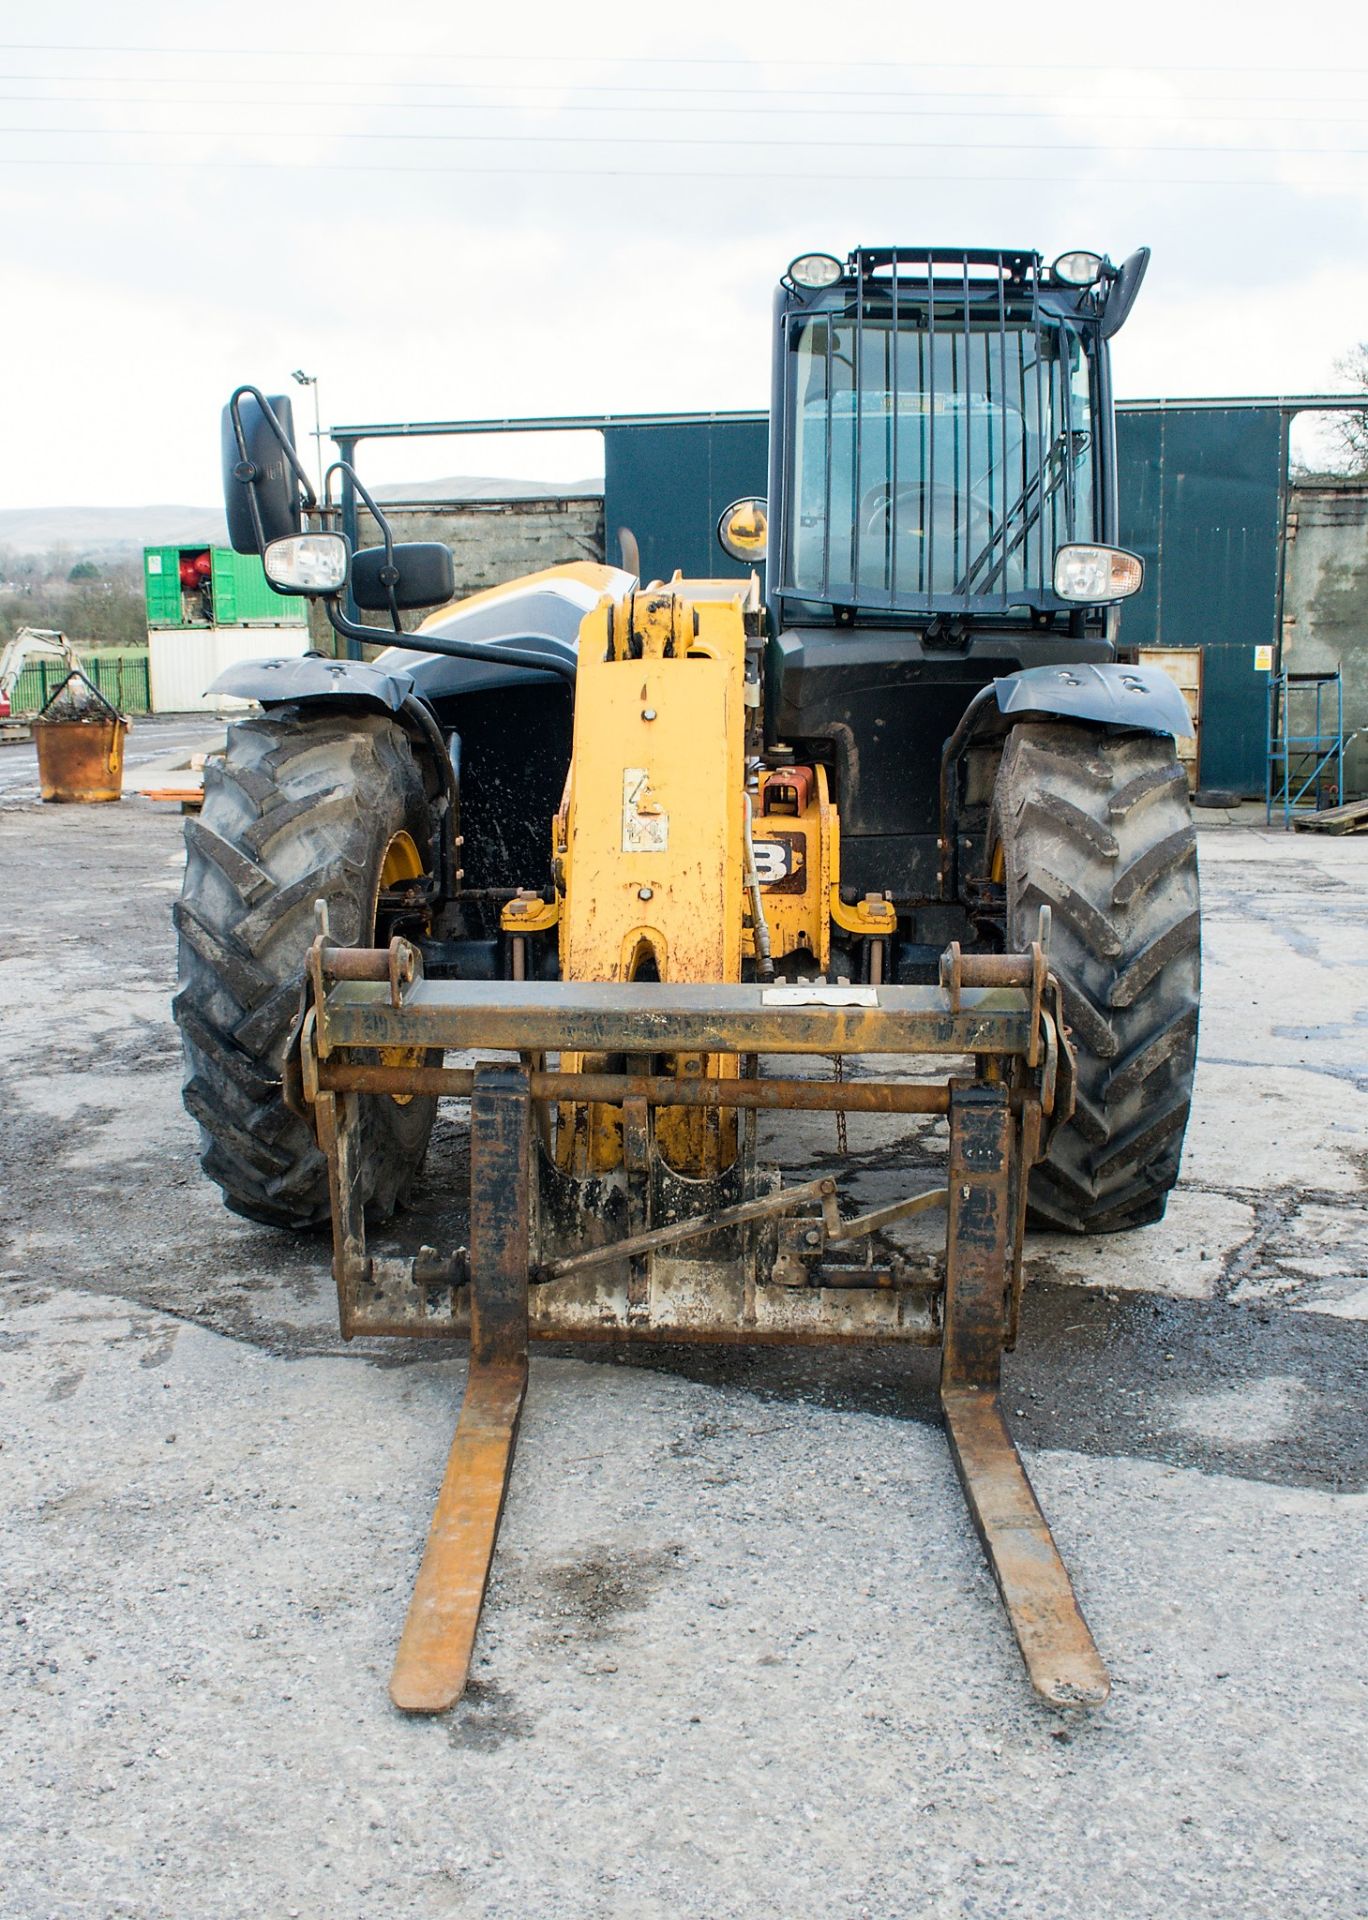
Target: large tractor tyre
[[299, 808], [1096, 826]]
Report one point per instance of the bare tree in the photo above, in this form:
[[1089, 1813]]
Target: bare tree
[[1351, 428]]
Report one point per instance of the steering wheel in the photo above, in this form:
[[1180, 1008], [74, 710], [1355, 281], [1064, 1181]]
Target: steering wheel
[[975, 510], [905, 515]]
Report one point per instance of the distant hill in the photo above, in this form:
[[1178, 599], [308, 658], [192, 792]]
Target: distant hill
[[114, 532], [465, 486], [108, 531]]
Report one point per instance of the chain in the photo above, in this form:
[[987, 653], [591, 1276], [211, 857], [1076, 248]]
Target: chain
[[842, 1144]]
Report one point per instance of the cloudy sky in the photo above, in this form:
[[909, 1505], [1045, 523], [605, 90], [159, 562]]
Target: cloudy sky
[[453, 212]]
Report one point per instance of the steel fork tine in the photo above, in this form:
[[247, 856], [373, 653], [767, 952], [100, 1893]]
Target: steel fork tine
[[433, 1662], [1062, 1661]]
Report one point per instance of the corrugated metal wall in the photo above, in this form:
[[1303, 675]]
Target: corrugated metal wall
[[1325, 603], [1200, 493], [1201, 501], [669, 485]]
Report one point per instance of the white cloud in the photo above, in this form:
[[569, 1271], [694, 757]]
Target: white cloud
[[138, 295], [1215, 338]]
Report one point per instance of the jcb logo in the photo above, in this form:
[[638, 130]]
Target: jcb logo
[[779, 862]]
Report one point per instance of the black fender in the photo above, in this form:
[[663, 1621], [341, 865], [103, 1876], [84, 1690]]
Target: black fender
[[1119, 698], [313, 676], [314, 680], [1131, 699]]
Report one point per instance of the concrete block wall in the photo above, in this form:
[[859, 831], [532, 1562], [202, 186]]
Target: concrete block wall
[[1325, 600], [491, 540]]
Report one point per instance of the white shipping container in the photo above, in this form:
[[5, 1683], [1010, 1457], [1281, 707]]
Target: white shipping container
[[184, 662]]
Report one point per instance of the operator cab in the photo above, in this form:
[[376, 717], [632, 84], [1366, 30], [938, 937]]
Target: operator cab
[[942, 511]]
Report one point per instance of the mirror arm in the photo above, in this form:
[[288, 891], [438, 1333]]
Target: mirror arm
[[390, 577], [490, 652]]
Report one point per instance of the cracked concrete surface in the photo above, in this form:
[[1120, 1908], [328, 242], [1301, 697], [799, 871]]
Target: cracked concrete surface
[[741, 1655]]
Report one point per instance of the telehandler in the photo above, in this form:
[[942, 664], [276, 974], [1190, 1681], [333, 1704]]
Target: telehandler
[[645, 849]]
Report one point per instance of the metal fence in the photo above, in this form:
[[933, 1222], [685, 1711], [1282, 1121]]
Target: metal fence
[[122, 679]]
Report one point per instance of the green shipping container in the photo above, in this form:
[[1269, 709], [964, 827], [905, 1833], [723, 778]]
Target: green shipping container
[[231, 590]]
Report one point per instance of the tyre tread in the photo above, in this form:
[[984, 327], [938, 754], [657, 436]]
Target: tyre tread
[[294, 810], [1097, 826]]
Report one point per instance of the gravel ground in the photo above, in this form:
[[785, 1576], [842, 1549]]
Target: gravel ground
[[741, 1655]]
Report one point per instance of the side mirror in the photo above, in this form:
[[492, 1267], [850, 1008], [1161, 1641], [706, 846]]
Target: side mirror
[[261, 467], [425, 576], [1121, 294], [743, 530]]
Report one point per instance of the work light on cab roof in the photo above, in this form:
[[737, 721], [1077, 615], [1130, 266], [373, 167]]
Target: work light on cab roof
[[1079, 268], [815, 270]]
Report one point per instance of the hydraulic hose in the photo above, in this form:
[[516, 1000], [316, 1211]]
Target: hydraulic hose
[[764, 964]]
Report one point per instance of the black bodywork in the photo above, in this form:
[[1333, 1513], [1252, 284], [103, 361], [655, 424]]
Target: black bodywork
[[509, 734], [494, 740]]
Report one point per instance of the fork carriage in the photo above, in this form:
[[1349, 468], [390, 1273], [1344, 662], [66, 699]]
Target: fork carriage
[[653, 1255]]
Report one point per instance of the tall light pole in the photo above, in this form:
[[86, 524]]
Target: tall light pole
[[311, 380]]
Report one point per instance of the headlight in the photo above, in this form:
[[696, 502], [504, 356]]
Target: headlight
[[1092, 575], [1077, 269], [815, 270], [307, 563], [743, 529]]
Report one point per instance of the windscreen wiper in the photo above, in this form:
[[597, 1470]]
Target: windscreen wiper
[[1029, 504]]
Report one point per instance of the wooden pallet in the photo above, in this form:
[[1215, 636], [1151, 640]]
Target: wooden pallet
[[178, 781], [1351, 818]]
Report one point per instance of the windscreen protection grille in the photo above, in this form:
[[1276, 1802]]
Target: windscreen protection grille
[[939, 437]]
